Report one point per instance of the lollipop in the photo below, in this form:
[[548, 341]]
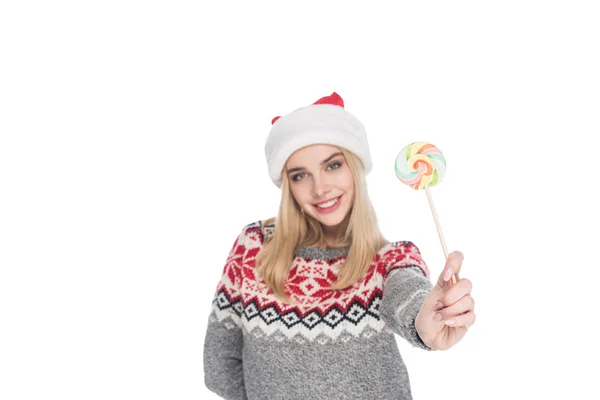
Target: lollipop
[[420, 165]]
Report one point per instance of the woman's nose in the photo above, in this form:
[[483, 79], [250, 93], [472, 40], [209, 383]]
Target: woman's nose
[[321, 186]]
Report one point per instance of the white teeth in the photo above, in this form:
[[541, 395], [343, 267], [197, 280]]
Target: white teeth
[[328, 204]]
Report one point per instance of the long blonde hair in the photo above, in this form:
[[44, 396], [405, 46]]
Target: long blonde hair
[[293, 228]]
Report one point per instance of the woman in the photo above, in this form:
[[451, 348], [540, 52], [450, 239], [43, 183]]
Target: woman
[[309, 302]]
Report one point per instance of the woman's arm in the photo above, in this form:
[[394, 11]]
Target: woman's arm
[[223, 369], [405, 287]]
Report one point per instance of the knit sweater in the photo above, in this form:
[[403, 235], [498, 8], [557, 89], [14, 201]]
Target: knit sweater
[[337, 344]]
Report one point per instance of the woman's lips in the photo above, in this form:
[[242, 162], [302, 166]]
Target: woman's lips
[[329, 209]]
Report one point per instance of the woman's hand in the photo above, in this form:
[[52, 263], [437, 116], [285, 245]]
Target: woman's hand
[[447, 309]]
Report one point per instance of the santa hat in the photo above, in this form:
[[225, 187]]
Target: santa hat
[[323, 122]]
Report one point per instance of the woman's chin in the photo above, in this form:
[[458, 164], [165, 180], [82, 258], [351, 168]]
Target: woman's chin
[[331, 220]]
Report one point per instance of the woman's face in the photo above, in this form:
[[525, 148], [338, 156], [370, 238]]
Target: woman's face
[[321, 183]]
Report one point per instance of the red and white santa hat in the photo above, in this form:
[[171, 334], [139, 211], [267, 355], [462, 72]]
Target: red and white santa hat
[[324, 122]]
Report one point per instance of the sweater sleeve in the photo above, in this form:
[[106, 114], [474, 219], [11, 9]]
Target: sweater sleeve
[[223, 369], [406, 284]]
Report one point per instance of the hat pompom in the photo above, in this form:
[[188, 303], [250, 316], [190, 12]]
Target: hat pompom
[[333, 99]]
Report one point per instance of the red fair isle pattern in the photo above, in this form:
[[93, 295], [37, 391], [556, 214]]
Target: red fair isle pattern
[[323, 314]]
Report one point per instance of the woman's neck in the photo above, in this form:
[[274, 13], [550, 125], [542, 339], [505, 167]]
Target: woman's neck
[[335, 236]]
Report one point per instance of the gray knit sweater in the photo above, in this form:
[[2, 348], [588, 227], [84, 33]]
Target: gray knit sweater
[[335, 345]]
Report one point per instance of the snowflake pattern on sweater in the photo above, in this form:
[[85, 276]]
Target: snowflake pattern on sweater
[[323, 313], [335, 344]]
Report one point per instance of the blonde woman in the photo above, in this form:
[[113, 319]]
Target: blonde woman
[[310, 301]]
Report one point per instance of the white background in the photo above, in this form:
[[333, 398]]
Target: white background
[[132, 155]]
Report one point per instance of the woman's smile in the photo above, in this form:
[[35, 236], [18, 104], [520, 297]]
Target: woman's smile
[[328, 206]]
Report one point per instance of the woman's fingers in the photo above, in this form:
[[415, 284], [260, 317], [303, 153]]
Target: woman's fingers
[[455, 293], [460, 307], [466, 319], [452, 267]]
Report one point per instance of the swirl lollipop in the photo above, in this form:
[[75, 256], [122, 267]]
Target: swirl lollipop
[[420, 165]]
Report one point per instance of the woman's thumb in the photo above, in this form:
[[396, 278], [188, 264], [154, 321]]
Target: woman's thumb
[[452, 267]]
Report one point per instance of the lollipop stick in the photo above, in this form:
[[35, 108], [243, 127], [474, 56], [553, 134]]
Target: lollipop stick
[[440, 234], [439, 229]]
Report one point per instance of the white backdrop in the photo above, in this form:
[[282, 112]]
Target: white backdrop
[[131, 156]]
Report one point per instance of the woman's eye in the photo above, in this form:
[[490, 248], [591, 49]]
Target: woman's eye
[[335, 165], [297, 177], [301, 175]]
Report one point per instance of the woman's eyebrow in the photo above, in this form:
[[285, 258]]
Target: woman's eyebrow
[[292, 170]]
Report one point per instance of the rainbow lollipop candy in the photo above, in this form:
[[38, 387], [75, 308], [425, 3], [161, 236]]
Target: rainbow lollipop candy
[[420, 165]]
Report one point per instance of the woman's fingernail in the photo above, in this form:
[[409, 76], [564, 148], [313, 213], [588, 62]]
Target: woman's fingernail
[[448, 274], [437, 317], [450, 322]]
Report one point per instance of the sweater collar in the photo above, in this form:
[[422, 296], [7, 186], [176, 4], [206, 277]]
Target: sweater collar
[[316, 253]]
